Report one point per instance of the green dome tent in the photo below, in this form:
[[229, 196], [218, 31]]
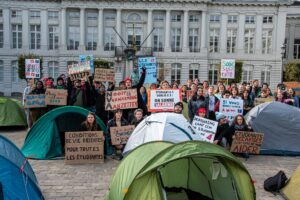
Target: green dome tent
[[12, 113], [155, 170], [43, 139]]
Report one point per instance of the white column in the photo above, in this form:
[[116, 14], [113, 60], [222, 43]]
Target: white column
[[223, 33], [258, 34], [149, 28], [25, 30], [290, 45], [240, 35], [204, 28], [118, 27], [280, 30], [82, 30], [185, 31], [100, 30], [63, 29], [168, 29], [44, 30], [6, 29]]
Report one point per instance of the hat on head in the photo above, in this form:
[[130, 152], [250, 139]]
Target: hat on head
[[127, 79], [219, 116], [49, 82], [59, 79], [201, 110], [179, 104]]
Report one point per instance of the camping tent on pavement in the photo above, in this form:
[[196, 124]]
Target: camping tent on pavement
[[12, 113], [43, 139], [161, 126], [280, 124], [291, 189], [17, 179], [188, 170]]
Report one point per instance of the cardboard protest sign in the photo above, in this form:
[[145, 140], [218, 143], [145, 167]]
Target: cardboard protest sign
[[80, 70], [88, 58], [104, 75], [121, 99], [150, 64], [120, 135], [84, 147], [56, 97], [231, 108], [35, 101], [163, 100], [205, 128], [258, 101], [247, 142], [228, 68], [32, 68]]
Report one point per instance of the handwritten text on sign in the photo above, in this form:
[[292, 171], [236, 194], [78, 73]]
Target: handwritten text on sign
[[104, 75], [121, 99], [77, 71], [163, 100], [32, 68], [84, 147], [247, 142], [35, 101], [227, 68], [231, 108], [56, 97], [150, 64], [120, 135], [205, 128]]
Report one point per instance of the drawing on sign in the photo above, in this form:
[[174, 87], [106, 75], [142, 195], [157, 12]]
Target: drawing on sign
[[35, 101], [205, 128], [227, 68], [247, 142], [32, 68], [121, 99], [120, 135]]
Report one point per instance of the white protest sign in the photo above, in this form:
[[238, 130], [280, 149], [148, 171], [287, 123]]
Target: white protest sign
[[150, 64], [32, 68], [163, 100], [228, 68], [205, 128], [231, 108]]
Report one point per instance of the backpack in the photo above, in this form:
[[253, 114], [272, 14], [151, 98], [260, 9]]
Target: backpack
[[275, 183]]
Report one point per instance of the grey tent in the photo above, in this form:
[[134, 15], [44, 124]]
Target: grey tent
[[280, 124]]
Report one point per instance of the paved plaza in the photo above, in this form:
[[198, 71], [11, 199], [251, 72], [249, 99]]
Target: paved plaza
[[91, 181]]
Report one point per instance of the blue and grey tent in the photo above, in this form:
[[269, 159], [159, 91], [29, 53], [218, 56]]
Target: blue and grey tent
[[17, 179]]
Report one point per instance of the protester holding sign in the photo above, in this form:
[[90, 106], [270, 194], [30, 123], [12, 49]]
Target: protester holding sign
[[80, 93], [197, 101], [90, 123], [60, 84], [36, 113], [223, 125], [100, 104], [138, 117]]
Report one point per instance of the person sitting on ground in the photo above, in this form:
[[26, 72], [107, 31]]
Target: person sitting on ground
[[178, 108], [222, 127], [90, 123], [138, 117], [248, 103], [201, 112]]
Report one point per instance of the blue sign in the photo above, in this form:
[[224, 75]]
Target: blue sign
[[84, 58], [150, 64]]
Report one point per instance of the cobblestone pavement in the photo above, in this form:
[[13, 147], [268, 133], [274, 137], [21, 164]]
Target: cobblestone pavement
[[91, 181]]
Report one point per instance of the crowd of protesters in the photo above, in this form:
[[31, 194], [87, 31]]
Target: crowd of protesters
[[201, 99]]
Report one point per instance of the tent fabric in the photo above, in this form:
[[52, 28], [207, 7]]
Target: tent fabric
[[190, 165], [16, 185], [291, 189], [280, 124], [12, 113], [161, 126], [43, 140]]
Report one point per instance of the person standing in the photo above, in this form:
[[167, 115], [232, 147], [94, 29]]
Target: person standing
[[36, 113], [27, 91], [197, 101]]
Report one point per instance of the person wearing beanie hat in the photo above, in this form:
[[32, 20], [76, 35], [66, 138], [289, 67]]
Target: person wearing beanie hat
[[178, 108], [223, 125], [49, 84], [202, 112], [60, 83]]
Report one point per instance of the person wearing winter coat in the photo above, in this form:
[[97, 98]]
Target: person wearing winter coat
[[197, 101]]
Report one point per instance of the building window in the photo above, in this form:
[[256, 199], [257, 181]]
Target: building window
[[73, 37], [297, 49], [1, 36], [249, 41], [158, 17], [214, 18], [176, 18], [265, 75], [93, 16], [110, 16], [53, 15], [53, 37], [35, 14], [194, 40], [16, 14], [158, 40], [213, 74], [160, 73], [53, 69], [134, 17], [175, 72], [247, 74], [232, 19], [194, 71], [250, 19], [231, 40], [267, 19], [286, 47], [17, 36], [74, 15], [266, 41], [194, 18], [1, 71], [1, 13], [134, 36], [14, 72], [175, 39], [92, 38], [35, 36], [214, 35], [109, 39]]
